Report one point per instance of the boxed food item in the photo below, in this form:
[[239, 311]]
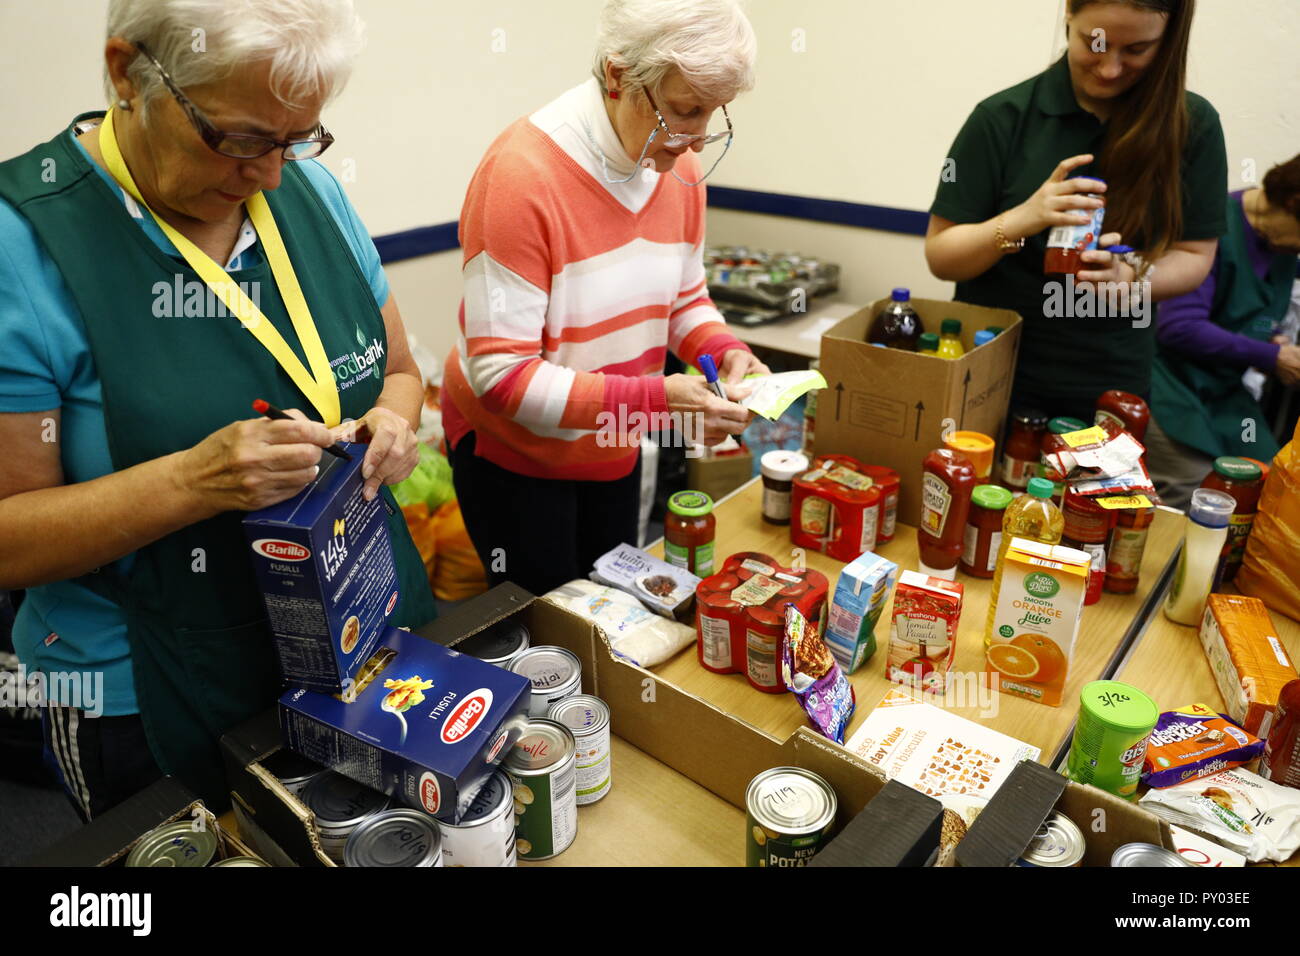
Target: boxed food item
[[325, 565], [660, 586], [1036, 622], [422, 723], [860, 595], [1239, 809], [1250, 664], [935, 751], [923, 632], [1194, 741], [835, 508]]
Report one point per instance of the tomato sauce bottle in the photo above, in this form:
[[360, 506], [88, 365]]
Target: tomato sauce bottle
[[947, 480], [1023, 448], [1122, 411], [1281, 762]]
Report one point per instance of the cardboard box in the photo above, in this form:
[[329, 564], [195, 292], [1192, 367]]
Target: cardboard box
[[110, 837], [1005, 827], [719, 477], [889, 407], [423, 724], [899, 827], [325, 565]]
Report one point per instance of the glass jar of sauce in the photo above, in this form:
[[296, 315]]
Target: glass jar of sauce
[[1023, 449], [947, 480], [1066, 244], [1122, 411], [983, 538], [1128, 542], [689, 529], [1242, 481], [1053, 442]]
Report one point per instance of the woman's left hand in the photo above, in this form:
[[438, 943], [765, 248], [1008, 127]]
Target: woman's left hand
[[1106, 267], [393, 452], [738, 363]]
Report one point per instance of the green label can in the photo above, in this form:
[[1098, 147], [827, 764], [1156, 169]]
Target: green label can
[[789, 814], [1110, 737], [543, 771]]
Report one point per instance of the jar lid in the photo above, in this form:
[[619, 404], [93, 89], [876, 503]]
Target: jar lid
[[983, 337], [991, 497], [928, 342], [781, 465], [690, 504], [1059, 426], [900, 295], [995, 329], [1211, 508], [1237, 469], [1030, 416], [1041, 488], [950, 327]]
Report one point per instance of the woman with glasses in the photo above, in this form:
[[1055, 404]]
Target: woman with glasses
[[583, 234], [163, 265]]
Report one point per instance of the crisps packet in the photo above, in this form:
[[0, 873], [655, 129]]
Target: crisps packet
[[811, 674], [1193, 742]]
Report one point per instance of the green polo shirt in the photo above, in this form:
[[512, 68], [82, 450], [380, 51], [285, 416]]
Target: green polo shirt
[[1009, 146]]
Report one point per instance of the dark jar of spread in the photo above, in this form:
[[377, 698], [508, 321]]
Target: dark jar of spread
[[689, 529], [979, 554], [779, 469]]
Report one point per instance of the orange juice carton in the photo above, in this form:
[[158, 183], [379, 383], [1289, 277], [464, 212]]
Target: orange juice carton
[[1040, 602], [923, 633], [1249, 662]]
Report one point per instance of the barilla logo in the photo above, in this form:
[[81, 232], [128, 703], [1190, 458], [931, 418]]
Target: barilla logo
[[497, 745], [430, 795], [392, 603], [466, 716], [278, 550]]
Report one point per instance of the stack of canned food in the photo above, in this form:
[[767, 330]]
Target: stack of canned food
[[768, 279], [184, 844]]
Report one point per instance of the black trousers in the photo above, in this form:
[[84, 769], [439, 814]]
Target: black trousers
[[539, 532], [103, 760]]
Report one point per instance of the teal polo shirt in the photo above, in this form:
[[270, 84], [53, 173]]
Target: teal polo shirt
[[1009, 146]]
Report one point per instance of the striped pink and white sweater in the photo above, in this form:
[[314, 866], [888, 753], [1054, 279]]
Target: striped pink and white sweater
[[574, 290]]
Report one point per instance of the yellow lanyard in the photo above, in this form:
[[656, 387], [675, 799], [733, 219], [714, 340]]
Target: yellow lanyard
[[319, 386]]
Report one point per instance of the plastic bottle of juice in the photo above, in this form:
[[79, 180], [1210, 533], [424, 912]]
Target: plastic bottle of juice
[[897, 326], [928, 344], [950, 346], [1031, 516]]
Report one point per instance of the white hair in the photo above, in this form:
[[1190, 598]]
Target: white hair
[[710, 42], [310, 44]]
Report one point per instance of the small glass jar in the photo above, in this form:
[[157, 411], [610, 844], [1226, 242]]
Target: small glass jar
[[1023, 448], [779, 469], [1243, 481], [984, 530], [689, 529]]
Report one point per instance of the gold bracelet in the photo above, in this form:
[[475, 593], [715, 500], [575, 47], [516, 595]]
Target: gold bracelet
[[1002, 242]]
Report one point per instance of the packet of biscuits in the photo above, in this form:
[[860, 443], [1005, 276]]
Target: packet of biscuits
[[1195, 741], [811, 674]]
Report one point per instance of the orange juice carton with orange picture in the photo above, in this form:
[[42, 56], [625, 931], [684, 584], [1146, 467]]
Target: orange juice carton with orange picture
[[923, 633], [1036, 624]]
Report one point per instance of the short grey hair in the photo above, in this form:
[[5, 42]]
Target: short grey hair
[[710, 42], [310, 44]]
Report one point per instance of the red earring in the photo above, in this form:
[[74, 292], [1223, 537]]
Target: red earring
[[613, 94]]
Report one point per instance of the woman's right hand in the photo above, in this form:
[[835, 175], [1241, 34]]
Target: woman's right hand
[[692, 395], [254, 463], [1058, 202], [1288, 364]]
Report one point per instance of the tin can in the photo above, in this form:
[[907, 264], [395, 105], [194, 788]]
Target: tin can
[[588, 718], [555, 674], [293, 770], [789, 814], [240, 861], [497, 644], [339, 805], [485, 834], [715, 627], [542, 768], [394, 838], [764, 631], [1110, 737], [175, 844], [1146, 854], [1058, 842]]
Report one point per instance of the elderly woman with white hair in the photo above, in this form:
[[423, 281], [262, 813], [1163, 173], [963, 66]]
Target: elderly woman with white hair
[[164, 265], [583, 233]]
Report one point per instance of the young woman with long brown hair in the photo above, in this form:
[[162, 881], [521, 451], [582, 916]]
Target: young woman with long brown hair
[[1114, 107]]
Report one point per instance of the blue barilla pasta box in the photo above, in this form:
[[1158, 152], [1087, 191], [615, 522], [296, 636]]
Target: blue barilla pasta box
[[325, 565], [421, 722]]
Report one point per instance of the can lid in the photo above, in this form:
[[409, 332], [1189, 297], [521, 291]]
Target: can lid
[[783, 465], [581, 713], [790, 800], [175, 844], [991, 497], [1145, 854], [1237, 469], [690, 504], [928, 342], [1040, 487], [240, 861], [1058, 842], [1118, 705], [1061, 425], [544, 744], [1210, 508], [546, 666], [394, 838], [950, 327], [496, 641], [495, 791], [284, 764], [338, 801]]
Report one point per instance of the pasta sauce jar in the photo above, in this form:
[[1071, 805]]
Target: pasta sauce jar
[[689, 529], [1243, 482], [1122, 411], [1023, 448], [1087, 528], [979, 554]]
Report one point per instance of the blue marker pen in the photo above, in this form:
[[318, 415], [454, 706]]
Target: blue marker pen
[[710, 370]]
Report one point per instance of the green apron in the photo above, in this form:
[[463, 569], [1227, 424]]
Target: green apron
[[1203, 405], [202, 651]]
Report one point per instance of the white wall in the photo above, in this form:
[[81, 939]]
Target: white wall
[[861, 105]]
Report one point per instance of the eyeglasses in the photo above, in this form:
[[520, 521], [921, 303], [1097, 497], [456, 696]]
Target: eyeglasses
[[241, 145], [677, 141]]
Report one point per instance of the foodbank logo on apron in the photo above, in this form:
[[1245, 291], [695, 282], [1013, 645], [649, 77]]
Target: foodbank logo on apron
[[361, 362]]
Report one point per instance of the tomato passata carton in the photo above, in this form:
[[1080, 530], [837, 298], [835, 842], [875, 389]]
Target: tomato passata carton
[[422, 723]]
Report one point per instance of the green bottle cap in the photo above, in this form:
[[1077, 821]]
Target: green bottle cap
[[1059, 426], [1119, 706], [929, 342], [690, 504], [950, 327], [1040, 487], [991, 497], [995, 329], [1237, 469]]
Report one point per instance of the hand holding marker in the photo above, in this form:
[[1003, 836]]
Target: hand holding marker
[[710, 370], [270, 411]]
